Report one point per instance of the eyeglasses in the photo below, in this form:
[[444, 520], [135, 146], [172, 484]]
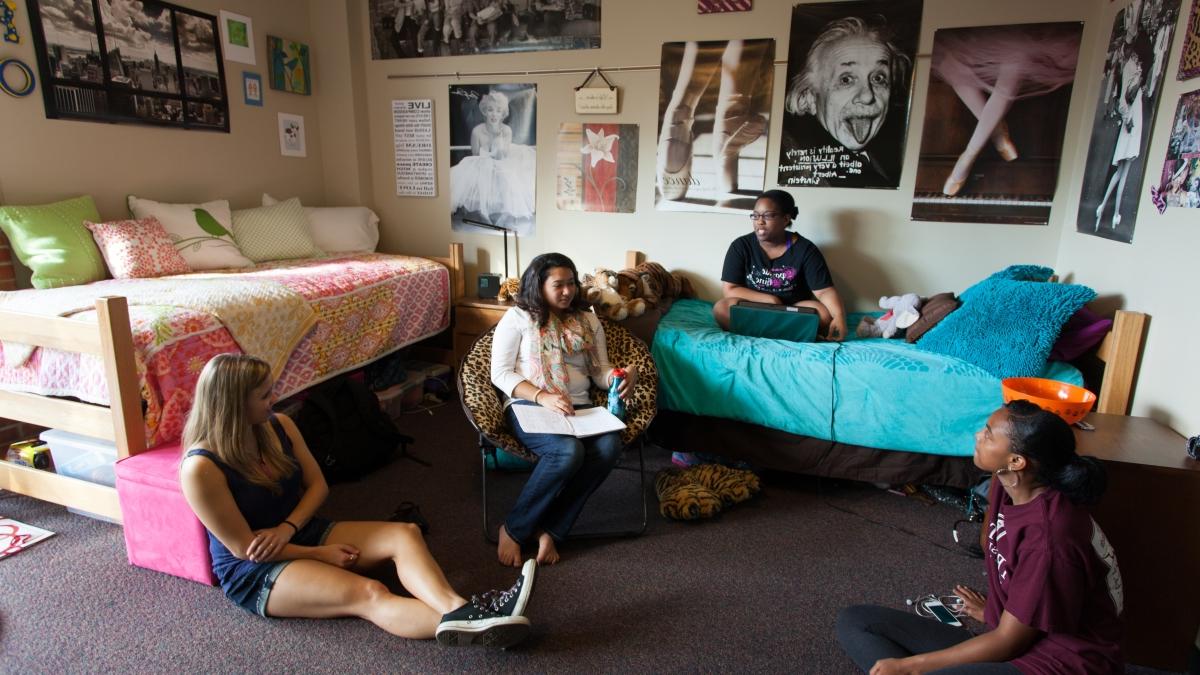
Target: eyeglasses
[[765, 215]]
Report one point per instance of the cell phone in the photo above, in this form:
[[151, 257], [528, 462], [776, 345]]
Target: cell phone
[[942, 613]]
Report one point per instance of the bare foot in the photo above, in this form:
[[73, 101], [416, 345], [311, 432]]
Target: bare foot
[[508, 550], [547, 551]]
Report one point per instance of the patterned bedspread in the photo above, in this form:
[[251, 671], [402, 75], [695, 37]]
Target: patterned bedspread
[[366, 306]]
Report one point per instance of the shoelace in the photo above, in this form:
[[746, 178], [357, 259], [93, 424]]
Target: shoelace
[[493, 599]]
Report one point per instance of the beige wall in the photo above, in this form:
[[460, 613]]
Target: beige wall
[[46, 160]]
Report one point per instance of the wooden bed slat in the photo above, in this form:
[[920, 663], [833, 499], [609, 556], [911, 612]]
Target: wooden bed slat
[[78, 418], [67, 335], [64, 490]]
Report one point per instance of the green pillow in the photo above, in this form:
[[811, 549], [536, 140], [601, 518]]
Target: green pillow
[[278, 232], [52, 242]]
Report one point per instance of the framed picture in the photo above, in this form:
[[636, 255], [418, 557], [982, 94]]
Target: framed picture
[[252, 88], [237, 37], [290, 70], [291, 135], [719, 6], [130, 61], [411, 29]]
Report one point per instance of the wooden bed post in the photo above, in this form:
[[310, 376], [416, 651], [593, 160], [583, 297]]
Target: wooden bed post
[[1120, 351], [120, 369]]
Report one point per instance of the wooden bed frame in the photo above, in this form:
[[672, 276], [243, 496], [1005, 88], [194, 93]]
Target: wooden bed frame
[[1118, 356], [121, 422]]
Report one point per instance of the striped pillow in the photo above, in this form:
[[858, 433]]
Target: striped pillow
[[278, 232]]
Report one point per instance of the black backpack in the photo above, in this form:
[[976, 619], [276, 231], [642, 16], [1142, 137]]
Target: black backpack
[[347, 432]]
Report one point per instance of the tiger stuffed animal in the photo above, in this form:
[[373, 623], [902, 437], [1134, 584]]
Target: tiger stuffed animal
[[655, 283]]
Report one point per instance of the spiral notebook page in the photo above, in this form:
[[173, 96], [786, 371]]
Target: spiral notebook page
[[585, 422]]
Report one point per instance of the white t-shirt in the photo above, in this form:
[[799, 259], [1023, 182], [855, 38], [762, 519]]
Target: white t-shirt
[[514, 361]]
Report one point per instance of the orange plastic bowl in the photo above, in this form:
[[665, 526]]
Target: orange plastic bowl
[[1065, 400]]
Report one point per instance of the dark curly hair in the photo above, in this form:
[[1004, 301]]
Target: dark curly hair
[[530, 298]]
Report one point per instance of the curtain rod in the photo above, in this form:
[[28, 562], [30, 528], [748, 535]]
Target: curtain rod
[[557, 71]]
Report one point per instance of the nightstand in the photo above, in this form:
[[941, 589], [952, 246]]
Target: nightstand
[[472, 318]]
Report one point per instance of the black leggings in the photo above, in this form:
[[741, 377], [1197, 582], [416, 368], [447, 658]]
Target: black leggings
[[869, 633]]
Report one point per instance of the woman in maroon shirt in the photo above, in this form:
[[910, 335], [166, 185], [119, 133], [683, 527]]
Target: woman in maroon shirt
[[1054, 591]]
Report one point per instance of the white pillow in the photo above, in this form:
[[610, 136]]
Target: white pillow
[[339, 229], [202, 233]]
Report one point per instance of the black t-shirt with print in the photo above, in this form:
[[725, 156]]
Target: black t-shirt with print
[[791, 277]]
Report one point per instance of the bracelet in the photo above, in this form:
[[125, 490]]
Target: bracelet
[[294, 528], [536, 396]]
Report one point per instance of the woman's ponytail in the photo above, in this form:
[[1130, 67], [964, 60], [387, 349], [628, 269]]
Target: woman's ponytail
[[1082, 480]]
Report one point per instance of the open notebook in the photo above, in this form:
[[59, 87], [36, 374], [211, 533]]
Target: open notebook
[[584, 423]]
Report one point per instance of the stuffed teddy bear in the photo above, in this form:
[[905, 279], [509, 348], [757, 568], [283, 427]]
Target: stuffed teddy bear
[[600, 292], [509, 289], [903, 311], [629, 287]]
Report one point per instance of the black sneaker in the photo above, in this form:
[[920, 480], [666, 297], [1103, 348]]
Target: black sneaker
[[512, 602], [474, 624]]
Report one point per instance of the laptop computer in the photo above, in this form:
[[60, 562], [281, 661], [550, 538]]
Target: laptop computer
[[778, 322]]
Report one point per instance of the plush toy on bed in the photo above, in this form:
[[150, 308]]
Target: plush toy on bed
[[509, 290], [600, 292], [902, 312], [656, 284], [629, 287]]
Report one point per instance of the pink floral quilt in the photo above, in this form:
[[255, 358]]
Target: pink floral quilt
[[367, 306]]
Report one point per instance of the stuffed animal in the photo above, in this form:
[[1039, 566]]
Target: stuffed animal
[[509, 289], [657, 284], [600, 292], [903, 311], [629, 287], [702, 491]]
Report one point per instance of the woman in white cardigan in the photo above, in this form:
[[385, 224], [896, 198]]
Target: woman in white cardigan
[[547, 351]]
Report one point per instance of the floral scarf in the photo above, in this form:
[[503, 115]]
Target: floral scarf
[[560, 337]]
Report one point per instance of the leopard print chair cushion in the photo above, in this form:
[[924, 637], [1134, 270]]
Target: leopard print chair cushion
[[482, 403]]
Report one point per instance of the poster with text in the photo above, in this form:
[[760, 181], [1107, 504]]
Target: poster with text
[[412, 137], [597, 167], [493, 157], [405, 29], [714, 107], [1180, 182], [995, 117], [849, 78], [1134, 68]]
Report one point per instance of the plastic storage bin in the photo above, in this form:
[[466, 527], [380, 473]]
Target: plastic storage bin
[[82, 457]]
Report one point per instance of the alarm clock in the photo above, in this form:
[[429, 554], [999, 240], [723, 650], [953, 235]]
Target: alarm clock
[[489, 285]]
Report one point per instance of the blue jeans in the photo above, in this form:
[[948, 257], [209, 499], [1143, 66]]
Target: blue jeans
[[568, 471]]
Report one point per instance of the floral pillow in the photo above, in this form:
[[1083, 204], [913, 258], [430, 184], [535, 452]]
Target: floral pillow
[[136, 249]]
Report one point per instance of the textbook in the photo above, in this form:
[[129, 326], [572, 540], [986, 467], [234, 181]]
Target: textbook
[[585, 422]]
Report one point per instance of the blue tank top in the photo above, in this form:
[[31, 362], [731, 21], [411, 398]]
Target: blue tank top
[[258, 505]]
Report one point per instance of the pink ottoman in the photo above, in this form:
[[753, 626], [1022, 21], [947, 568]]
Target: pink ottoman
[[161, 532]]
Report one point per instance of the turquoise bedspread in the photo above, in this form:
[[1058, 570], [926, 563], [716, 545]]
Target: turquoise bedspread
[[885, 393]]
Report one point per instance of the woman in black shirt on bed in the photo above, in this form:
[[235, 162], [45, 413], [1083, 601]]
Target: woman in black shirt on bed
[[780, 267]]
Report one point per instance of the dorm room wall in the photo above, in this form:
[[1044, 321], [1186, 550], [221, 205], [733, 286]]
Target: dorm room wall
[[871, 243], [1156, 273], [47, 160]]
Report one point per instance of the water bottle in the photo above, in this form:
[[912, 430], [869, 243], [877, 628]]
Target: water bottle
[[615, 405]]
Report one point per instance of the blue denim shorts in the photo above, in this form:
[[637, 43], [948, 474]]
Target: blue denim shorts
[[252, 588]]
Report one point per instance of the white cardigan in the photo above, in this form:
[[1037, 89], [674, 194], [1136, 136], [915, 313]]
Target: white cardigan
[[513, 357]]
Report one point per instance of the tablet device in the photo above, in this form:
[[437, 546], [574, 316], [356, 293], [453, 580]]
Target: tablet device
[[778, 322]]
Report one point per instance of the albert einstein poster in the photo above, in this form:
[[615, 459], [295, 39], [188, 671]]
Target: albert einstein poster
[[849, 78], [493, 156]]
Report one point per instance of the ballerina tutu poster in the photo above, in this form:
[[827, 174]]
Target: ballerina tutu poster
[[493, 156], [995, 118]]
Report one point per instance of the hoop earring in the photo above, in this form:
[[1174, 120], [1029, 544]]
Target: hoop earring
[[1015, 483]]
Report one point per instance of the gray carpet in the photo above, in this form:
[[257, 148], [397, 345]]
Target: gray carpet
[[755, 590]]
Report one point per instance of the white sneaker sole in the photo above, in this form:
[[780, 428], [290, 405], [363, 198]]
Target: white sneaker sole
[[500, 632], [528, 570]]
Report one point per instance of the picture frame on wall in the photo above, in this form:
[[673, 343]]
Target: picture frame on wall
[[130, 62], [289, 65], [252, 88], [291, 135], [237, 37]]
